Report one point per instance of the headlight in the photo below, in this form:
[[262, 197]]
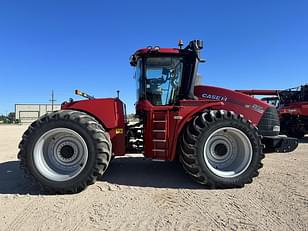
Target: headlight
[[276, 128]]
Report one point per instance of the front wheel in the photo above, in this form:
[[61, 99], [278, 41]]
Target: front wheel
[[221, 149], [65, 151]]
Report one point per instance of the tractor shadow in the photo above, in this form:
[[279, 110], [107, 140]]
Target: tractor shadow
[[12, 180], [142, 172], [129, 171]]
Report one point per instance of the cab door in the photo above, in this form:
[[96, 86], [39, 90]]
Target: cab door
[[162, 83]]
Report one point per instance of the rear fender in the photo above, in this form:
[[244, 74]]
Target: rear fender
[[186, 114], [251, 108]]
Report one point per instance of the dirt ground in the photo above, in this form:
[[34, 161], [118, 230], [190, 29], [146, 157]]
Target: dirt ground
[[139, 194]]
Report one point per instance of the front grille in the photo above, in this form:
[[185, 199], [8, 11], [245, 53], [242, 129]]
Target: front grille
[[269, 119]]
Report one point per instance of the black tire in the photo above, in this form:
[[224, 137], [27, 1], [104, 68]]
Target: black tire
[[96, 142], [195, 136]]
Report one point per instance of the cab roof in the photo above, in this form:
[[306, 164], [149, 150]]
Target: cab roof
[[156, 49], [193, 47], [153, 51]]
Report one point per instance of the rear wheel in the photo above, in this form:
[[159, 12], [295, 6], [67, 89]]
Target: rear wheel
[[65, 151], [221, 149]]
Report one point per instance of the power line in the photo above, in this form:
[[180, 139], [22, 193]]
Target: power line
[[52, 100]]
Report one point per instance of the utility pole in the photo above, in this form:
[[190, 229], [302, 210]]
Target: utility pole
[[52, 100]]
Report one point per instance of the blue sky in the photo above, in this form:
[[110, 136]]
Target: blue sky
[[66, 45]]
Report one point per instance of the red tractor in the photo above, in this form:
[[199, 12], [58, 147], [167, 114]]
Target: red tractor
[[292, 106], [218, 135]]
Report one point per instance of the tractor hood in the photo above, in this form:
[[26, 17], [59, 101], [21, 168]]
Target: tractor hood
[[262, 115], [229, 96]]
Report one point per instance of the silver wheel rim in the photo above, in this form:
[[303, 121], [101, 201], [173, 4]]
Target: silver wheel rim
[[60, 154], [228, 152]]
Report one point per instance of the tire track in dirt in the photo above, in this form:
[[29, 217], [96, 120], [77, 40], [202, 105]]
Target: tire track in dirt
[[240, 211], [165, 199], [76, 213], [22, 216], [140, 218], [271, 211], [148, 211], [107, 215], [170, 207], [236, 215], [191, 198], [180, 210], [64, 213]]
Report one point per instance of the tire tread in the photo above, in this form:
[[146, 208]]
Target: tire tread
[[100, 138], [189, 142]]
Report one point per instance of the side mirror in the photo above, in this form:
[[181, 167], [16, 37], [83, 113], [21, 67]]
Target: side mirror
[[199, 44], [133, 60]]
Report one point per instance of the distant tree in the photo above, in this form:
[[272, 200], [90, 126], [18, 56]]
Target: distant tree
[[4, 119], [11, 116]]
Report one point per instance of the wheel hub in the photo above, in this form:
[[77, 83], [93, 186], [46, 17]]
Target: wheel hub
[[228, 152], [60, 154], [67, 152], [220, 149]]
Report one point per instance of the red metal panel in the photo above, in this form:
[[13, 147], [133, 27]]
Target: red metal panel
[[109, 112], [186, 111], [251, 108], [105, 110], [295, 109], [148, 108], [304, 107]]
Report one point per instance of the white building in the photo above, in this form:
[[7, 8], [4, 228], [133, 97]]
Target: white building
[[27, 113]]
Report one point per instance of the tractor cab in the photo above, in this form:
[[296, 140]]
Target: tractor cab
[[165, 75], [160, 81]]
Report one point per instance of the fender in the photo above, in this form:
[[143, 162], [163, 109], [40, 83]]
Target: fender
[[110, 113], [187, 113], [251, 108], [204, 105]]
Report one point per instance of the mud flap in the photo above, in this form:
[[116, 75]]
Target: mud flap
[[279, 144]]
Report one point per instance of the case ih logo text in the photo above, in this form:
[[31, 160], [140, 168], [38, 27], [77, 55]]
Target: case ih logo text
[[214, 97]]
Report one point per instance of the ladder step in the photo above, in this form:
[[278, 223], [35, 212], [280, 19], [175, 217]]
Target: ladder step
[[158, 150], [159, 130], [159, 140]]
